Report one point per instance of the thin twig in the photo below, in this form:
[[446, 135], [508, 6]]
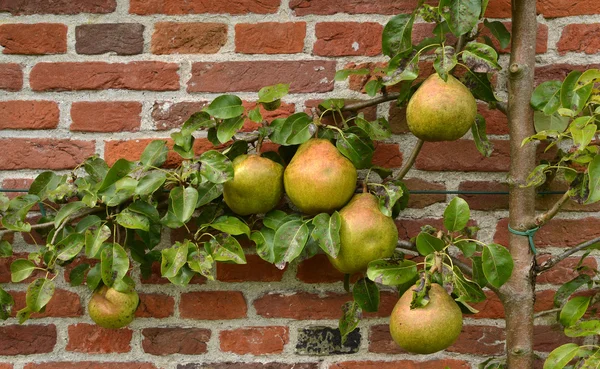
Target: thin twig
[[544, 218], [558, 258], [371, 102]]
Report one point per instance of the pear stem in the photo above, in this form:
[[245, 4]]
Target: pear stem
[[409, 163]]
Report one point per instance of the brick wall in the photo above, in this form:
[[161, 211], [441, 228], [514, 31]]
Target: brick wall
[[79, 77]]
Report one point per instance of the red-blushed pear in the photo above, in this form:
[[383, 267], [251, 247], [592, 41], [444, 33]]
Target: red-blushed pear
[[319, 179], [366, 235], [256, 187], [441, 111], [428, 329], [112, 309]]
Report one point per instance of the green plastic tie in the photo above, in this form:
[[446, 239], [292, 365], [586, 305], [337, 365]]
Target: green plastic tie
[[530, 233]]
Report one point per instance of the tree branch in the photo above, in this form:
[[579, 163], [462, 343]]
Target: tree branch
[[501, 106], [371, 102], [544, 218], [558, 258]]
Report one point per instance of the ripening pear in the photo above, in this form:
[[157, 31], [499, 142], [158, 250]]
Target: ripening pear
[[319, 179], [256, 187], [441, 111], [427, 329], [366, 235], [112, 309]]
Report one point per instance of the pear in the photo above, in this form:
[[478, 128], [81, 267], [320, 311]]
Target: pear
[[366, 235], [319, 179], [441, 111], [256, 187], [112, 309], [428, 329]]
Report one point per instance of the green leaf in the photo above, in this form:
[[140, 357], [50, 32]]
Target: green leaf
[[561, 356], [78, 274], [155, 154], [273, 93], [572, 97], [133, 220], [499, 31], [173, 259], [594, 180], [583, 328], [4, 201], [119, 170], [397, 35], [6, 304], [5, 249], [254, 116], [343, 74], [228, 128], [456, 215], [373, 87], [466, 290], [352, 314], [546, 97], [17, 212], [428, 244], [497, 264], [150, 183], [298, 128], [290, 239], [461, 15], [573, 310], [389, 195], [207, 192], [264, 240], [39, 294], [195, 122], [87, 223], [408, 73], [146, 209], [274, 219], [183, 202], [445, 61], [478, 129], [481, 58], [480, 86], [184, 276], [70, 246], [554, 122], [538, 176], [392, 272], [231, 225], [114, 264], [224, 247], [201, 262], [20, 270], [376, 130], [570, 287], [67, 211], [327, 232], [366, 295], [94, 240], [216, 167], [94, 277], [44, 183], [466, 247], [355, 144], [225, 107]]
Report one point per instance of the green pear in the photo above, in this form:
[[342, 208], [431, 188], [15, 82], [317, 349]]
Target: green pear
[[428, 329], [256, 187], [319, 179], [441, 111], [112, 309], [366, 235]]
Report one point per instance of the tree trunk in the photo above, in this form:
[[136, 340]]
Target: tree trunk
[[517, 294]]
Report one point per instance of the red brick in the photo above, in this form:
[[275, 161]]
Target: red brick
[[5, 269], [100, 116], [168, 341], [11, 77], [256, 270], [318, 269], [156, 277], [119, 38], [213, 305], [188, 38], [546, 201], [306, 306], [270, 38], [28, 114], [495, 120], [404, 364], [303, 76], [557, 232], [387, 155], [548, 337], [397, 119], [284, 111], [558, 72], [579, 38], [563, 271], [27, 339], [462, 155], [33, 39], [43, 153], [568, 8], [420, 201], [169, 115], [408, 228], [237, 365], [141, 75], [155, 305], [498, 9], [90, 365], [6, 366], [64, 304], [254, 340], [174, 7], [328, 7], [347, 39], [93, 339], [485, 202], [541, 43], [491, 308], [58, 7]]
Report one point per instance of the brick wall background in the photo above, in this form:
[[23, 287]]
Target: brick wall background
[[79, 77]]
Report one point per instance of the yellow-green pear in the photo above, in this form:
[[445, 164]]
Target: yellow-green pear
[[428, 329], [112, 309], [366, 235], [441, 111], [319, 179], [256, 187]]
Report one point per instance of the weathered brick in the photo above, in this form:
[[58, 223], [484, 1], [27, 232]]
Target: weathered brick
[[110, 116], [549, 337], [168, 341], [188, 38], [5, 268], [303, 76], [322, 341], [579, 38], [318, 269], [26, 7], [347, 39], [93, 339], [155, 305], [404, 364], [168, 115], [90, 365], [232, 365], [43, 153], [563, 271], [541, 42], [28, 114], [64, 304], [33, 39], [420, 201], [6, 366], [567, 8], [27, 339], [119, 38], [498, 9], [270, 38], [141, 75], [462, 155], [557, 232], [495, 120], [487, 201], [213, 305], [11, 77], [558, 71], [255, 270], [174, 7], [328, 7], [254, 340], [284, 111], [387, 155]]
